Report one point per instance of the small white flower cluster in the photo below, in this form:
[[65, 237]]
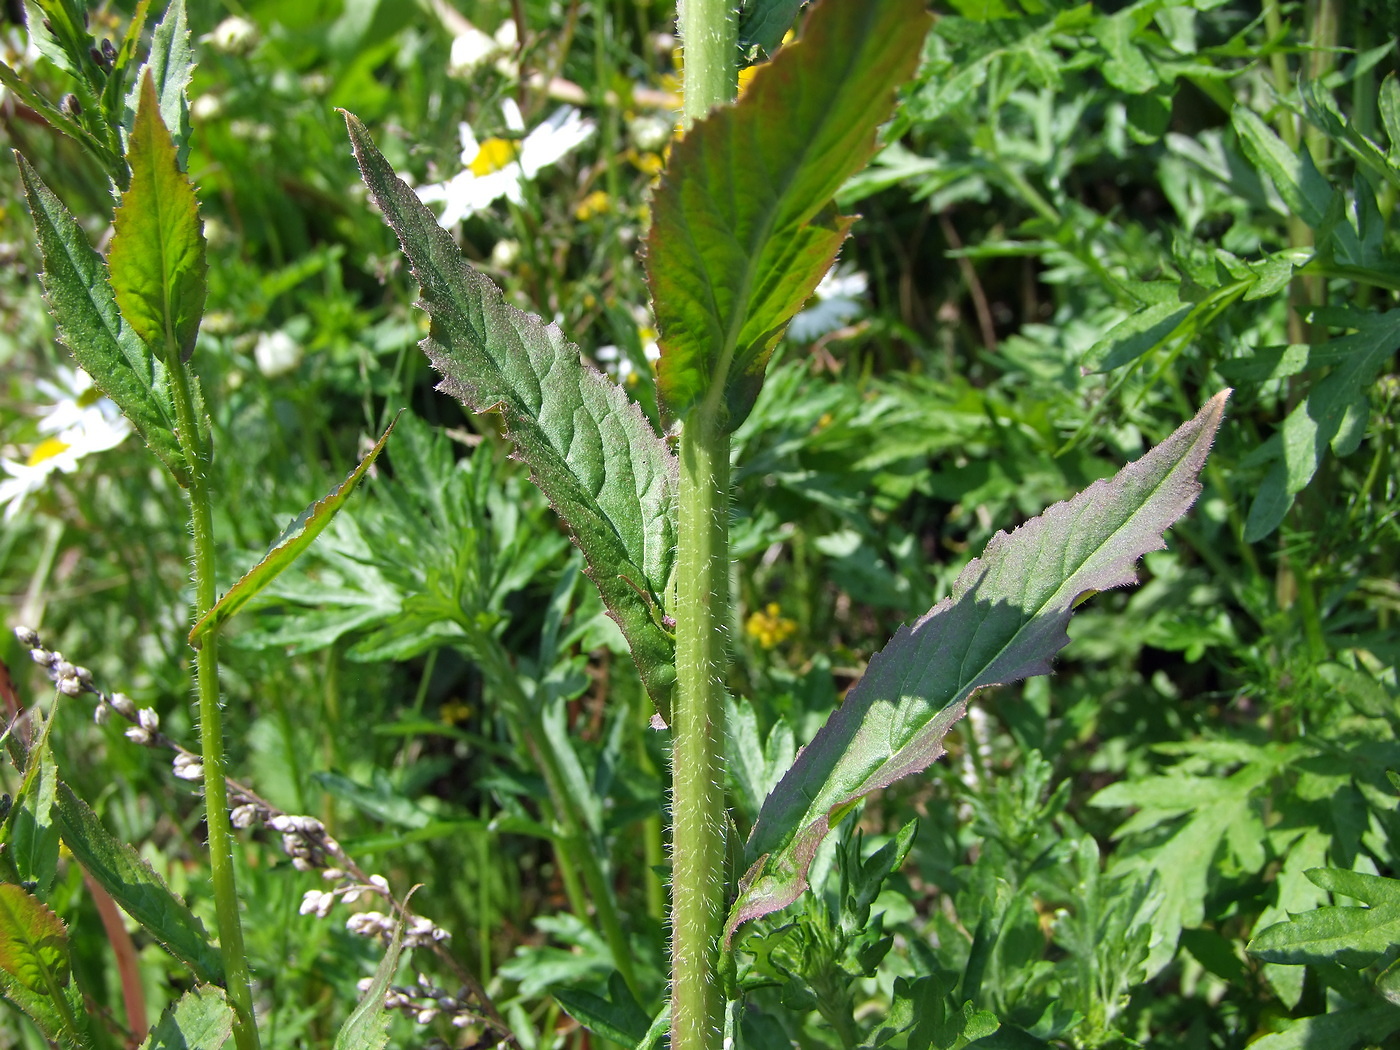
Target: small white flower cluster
[[420, 932], [73, 680], [425, 1002], [306, 841]]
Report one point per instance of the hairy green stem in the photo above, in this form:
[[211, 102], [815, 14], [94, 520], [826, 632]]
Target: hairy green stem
[[211, 737], [709, 33], [697, 750]]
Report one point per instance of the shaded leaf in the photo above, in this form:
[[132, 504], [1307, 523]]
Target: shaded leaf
[[763, 24], [133, 885], [619, 1017], [743, 224], [1004, 621], [171, 62], [200, 1020], [90, 325], [157, 257], [295, 538], [31, 836], [590, 450], [1297, 179]]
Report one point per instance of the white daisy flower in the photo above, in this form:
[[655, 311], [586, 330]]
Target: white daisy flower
[[838, 298], [79, 422], [500, 167]]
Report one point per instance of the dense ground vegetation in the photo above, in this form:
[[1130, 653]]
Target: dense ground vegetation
[[1085, 221]]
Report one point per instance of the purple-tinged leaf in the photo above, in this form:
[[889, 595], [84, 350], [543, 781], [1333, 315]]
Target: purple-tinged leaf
[[287, 547], [1004, 621]]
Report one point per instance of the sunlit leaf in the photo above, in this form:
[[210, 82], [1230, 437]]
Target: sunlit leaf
[[743, 223], [200, 1020], [286, 548], [1004, 621]]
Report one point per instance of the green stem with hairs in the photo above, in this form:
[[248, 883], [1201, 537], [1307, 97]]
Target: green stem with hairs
[[211, 736], [709, 33]]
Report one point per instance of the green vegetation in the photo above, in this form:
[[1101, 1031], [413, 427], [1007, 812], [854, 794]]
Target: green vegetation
[[578, 707]]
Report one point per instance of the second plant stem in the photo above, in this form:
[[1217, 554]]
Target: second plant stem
[[211, 735]]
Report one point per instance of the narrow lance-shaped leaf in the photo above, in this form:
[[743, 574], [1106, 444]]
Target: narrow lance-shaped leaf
[[157, 258], [90, 325], [201, 1020], [367, 1027], [590, 450], [286, 548], [30, 835], [743, 224], [134, 886], [171, 63], [1004, 621]]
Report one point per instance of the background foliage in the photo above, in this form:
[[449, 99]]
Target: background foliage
[[1087, 219]]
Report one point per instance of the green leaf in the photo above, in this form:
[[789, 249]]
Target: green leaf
[[289, 546], [1352, 937], [1004, 621], [90, 325], [1136, 335], [1128, 68], [1299, 183], [619, 1018], [34, 968], [139, 890], [30, 835], [367, 1027], [743, 224], [171, 63], [763, 25], [1342, 1030], [590, 450], [157, 256], [200, 1020]]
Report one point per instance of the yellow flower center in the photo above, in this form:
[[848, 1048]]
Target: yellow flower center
[[596, 203], [768, 627], [46, 449], [494, 155]]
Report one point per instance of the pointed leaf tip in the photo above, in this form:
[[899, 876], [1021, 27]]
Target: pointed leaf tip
[[1005, 620]]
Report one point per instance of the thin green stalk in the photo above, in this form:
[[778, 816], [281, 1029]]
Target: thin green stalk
[[709, 34], [697, 751], [211, 738]]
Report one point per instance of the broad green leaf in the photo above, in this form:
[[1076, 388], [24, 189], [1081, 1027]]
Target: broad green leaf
[[295, 538], [618, 1017], [200, 1020], [1136, 335], [1128, 67], [367, 1027], [1346, 1029], [1299, 183], [157, 257], [1294, 893], [743, 224], [34, 968], [90, 325], [139, 890], [31, 835], [590, 450], [171, 62], [1352, 937], [1005, 620], [763, 24]]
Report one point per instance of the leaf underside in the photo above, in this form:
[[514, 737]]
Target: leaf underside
[[287, 547], [1005, 620], [590, 450], [743, 224]]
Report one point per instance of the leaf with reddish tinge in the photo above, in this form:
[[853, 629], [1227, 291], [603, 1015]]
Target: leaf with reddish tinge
[[286, 548], [1004, 621], [157, 258], [743, 224]]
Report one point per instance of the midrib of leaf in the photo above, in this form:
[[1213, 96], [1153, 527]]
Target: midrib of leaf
[[739, 316]]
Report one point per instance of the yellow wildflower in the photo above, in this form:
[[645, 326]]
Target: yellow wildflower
[[769, 627]]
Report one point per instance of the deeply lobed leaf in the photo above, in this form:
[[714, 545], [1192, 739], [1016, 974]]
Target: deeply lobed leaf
[[1005, 620], [590, 450], [743, 225]]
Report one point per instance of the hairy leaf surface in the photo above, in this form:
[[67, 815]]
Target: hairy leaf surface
[[295, 538], [1004, 621], [35, 969], [157, 258], [590, 450], [171, 63], [743, 224], [201, 1020], [138, 889], [90, 325]]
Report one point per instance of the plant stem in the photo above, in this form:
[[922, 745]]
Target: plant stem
[[211, 738], [709, 32], [697, 753]]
